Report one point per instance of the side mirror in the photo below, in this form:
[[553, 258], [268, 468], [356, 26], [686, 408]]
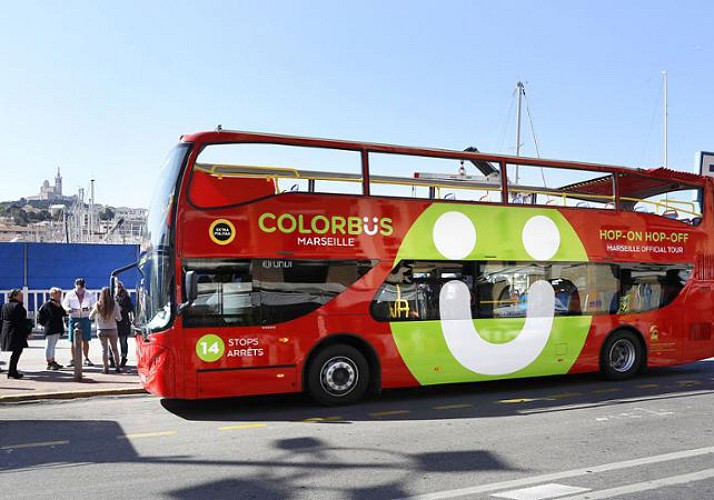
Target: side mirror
[[191, 286]]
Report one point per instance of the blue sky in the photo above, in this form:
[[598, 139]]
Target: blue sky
[[104, 89]]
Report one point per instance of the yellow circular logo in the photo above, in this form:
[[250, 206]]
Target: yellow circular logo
[[222, 231]]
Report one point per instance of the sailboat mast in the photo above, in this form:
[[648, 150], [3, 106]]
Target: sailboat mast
[[519, 89], [664, 117]]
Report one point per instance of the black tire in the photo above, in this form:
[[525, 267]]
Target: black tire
[[338, 375], [621, 355]]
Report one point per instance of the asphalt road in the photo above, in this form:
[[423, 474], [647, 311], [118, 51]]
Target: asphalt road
[[566, 437]]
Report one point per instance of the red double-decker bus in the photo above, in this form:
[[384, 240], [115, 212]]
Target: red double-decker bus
[[277, 264]]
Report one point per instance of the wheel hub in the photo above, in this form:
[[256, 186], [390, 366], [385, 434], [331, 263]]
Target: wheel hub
[[339, 376], [622, 355]]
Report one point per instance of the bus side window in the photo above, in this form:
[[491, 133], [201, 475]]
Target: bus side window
[[225, 295]]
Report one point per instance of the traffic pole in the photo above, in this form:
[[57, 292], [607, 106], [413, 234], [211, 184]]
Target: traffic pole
[[77, 349]]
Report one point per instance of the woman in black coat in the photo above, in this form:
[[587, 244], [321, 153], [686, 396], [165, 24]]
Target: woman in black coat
[[15, 330]]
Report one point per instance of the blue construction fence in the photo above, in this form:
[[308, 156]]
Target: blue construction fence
[[40, 266]]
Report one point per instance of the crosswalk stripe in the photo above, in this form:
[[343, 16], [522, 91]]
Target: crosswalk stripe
[[645, 486], [559, 476], [542, 492]]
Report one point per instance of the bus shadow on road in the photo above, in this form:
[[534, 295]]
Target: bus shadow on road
[[475, 400], [293, 464], [311, 464], [28, 444]]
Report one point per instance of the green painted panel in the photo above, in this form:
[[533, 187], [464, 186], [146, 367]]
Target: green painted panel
[[422, 346]]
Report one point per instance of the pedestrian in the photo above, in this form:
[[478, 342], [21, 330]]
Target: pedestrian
[[15, 330], [107, 313], [51, 316], [79, 303], [127, 317]]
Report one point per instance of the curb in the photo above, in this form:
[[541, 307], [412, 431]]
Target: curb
[[88, 393]]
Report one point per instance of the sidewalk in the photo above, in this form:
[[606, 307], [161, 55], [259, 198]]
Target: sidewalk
[[39, 383]]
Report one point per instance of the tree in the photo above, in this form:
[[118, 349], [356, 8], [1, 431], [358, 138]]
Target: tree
[[20, 217]]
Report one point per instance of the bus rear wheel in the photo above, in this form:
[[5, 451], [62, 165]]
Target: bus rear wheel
[[338, 375], [621, 356]]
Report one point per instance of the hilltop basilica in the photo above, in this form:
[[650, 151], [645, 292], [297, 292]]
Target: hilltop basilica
[[51, 193]]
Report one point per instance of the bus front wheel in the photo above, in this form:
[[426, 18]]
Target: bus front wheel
[[621, 355], [338, 375]]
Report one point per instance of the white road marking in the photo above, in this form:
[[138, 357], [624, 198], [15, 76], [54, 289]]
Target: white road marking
[[542, 492], [34, 445], [646, 485], [636, 413], [559, 476], [585, 406], [142, 435]]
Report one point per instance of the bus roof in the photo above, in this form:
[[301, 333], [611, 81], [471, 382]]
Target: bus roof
[[639, 183]]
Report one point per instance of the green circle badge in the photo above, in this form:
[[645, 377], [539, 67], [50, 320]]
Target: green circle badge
[[210, 348]]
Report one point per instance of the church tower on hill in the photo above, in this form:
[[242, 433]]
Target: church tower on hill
[[49, 192]]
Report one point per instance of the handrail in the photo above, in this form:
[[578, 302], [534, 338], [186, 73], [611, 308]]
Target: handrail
[[666, 205], [514, 188], [221, 170], [225, 170]]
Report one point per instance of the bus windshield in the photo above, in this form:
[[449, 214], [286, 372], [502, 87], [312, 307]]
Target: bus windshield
[[155, 269], [157, 226]]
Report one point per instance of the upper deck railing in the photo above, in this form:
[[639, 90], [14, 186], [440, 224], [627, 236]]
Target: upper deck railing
[[482, 186], [603, 187]]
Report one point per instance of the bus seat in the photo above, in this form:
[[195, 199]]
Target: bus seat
[[582, 204], [670, 214], [567, 297]]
